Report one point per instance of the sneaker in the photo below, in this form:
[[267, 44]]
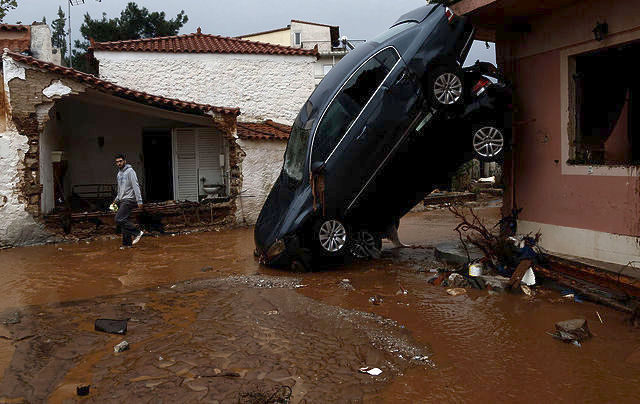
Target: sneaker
[[138, 237]]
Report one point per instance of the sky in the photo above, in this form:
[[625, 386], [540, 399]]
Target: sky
[[358, 19]]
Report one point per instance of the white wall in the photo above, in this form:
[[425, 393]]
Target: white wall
[[262, 86], [312, 34], [260, 169]]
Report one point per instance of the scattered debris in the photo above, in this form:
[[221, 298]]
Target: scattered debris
[[456, 291], [121, 347], [207, 269], [371, 371], [377, 300], [346, 285], [300, 286], [83, 390], [527, 290], [572, 331], [458, 281], [600, 318], [476, 269], [272, 313], [111, 326], [281, 395], [13, 318], [402, 291]]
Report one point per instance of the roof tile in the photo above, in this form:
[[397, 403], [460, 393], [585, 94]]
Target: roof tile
[[267, 130], [200, 43], [123, 92]]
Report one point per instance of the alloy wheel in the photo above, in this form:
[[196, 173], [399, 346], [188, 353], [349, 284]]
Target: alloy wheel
[[447, 88], [363, 244], [332, 236], [488, 141]]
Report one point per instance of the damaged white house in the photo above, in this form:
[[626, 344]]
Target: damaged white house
[[59, 131]]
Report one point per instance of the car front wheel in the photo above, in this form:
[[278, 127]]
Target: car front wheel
[[489, 142], [331, 236]]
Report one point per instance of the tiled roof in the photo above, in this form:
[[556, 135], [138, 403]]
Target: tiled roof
[[267, 130], [200, 43], [14, 28], [15, 45], [123, 92]]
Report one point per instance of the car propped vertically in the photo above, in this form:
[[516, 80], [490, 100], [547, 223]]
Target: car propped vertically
[[335, 191]]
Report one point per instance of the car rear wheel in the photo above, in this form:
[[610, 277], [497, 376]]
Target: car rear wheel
[[489, 142], [446, 87], [331, 237], [366, 245]]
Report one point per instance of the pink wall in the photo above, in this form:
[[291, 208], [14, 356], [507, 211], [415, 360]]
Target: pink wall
[[600, 203]]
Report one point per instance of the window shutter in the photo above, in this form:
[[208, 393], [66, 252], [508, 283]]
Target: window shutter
[[186, 165]]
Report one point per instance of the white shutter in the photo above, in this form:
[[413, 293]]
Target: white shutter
[[186, 165], [209, 149]]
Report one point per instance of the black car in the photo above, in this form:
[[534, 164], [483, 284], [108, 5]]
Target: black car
[[339, 184]]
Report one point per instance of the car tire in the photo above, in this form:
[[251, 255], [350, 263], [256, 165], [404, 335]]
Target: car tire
[[365, 245], [488, 141], [446, 87], [331, 237]]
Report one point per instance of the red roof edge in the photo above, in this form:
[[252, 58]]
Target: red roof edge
[[123, 92]]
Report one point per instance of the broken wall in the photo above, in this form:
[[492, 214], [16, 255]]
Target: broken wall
[[25, 112]]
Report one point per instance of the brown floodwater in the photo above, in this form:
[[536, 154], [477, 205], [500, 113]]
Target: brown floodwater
[[266, 328]]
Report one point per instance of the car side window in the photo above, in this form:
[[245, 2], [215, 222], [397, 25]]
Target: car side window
[[350, 101]]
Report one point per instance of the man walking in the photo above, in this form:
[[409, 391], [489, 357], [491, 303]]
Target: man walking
[[128, 198]]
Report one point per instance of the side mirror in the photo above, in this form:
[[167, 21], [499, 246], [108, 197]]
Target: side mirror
[[317, 167]]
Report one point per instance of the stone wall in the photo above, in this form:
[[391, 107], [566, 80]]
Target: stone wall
[[260, 169], [262, 86]]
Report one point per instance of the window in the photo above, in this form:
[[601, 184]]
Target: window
[[606, 110], [350, 101], [326, 69], [297, 38], [296, 152]]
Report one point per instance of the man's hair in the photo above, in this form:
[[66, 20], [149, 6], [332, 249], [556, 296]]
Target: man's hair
[[120, 156]]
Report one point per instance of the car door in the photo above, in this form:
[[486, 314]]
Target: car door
[[343, 123], [390, 115]]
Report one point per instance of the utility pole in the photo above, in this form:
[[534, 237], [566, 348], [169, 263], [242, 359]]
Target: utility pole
[[72, 3]]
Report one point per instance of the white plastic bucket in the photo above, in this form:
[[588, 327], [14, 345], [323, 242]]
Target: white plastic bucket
[[476, 269]]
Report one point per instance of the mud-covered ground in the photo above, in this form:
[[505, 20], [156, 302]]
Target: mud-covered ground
[[207, 324]]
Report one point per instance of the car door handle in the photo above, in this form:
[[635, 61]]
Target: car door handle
[[363, 132], [401, 78]]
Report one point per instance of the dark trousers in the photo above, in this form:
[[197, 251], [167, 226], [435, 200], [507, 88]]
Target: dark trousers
[[128, 229]]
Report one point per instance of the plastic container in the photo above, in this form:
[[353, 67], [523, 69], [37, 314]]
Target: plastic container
[[476, 269]]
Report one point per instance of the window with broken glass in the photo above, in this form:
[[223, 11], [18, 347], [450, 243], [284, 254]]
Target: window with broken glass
[[607, 106]]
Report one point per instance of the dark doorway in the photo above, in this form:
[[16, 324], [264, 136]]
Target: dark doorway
[[158, 167]]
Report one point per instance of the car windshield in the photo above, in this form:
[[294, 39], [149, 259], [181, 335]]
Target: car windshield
[[294, 157], [393, 31]]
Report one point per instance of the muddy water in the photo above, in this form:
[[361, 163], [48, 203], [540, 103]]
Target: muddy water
[[260, 327]]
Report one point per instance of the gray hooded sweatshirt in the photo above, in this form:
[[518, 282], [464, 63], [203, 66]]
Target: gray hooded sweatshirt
[[128, 187]]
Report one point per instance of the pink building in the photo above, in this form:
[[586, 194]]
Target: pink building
[[574, 165]]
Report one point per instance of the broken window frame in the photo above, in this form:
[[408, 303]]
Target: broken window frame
[[579, 154]]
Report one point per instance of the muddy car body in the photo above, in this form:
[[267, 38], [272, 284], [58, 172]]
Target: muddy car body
[[352, 133]]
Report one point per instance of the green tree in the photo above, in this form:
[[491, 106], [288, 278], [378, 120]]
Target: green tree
[[6, 6], [134, 23], [59, 35]]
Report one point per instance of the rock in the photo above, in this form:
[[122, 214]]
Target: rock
[[121, 347], [456, 291], [377, 300], [458, 281], [111, 326], [574, 330]]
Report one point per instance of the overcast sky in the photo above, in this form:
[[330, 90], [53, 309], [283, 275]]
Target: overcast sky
[[358, 19]]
